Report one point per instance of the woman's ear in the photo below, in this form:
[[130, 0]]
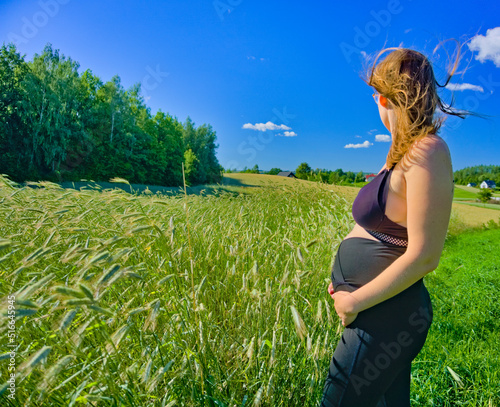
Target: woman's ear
[[383, 101]]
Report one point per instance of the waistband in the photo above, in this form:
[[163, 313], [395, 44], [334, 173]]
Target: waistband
[[397, 241]]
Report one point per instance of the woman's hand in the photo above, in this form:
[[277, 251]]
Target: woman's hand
[[344, 305]]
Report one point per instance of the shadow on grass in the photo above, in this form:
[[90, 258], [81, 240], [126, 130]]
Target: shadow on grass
[[140, 189], [228, 185], [226, 181]]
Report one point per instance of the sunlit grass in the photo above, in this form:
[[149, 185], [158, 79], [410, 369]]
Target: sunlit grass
[[465, 192], [107, 312], [102, 280]]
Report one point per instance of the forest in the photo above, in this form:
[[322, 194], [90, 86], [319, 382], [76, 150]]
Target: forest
[[478, 174], [58, 124]]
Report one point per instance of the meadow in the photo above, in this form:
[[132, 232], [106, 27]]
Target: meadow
[[469, 196], [216, 298]]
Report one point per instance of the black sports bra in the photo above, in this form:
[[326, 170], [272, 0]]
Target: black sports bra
[[368, 208]]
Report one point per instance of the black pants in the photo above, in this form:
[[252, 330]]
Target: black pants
[[372, 362]]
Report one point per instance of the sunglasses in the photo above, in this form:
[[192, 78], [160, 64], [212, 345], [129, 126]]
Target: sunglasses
[[376, 97]]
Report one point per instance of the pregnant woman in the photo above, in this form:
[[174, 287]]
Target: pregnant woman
[[401, 217]]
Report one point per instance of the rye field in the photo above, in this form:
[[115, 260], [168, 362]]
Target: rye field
[[215, 298]]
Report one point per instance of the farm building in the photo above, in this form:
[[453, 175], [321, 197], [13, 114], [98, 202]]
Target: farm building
[[472, 184], [488, 184], [288, 174]]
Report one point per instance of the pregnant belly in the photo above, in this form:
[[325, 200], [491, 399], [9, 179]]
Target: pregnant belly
[[360, 260]]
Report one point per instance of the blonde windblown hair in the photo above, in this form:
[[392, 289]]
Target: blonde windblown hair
[[406, 78]]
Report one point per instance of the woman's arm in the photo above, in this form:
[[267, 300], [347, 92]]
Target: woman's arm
[[429, 195]]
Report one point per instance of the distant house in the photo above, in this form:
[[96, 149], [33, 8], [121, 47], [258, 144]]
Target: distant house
[[288, 174], [369, 177], [472, 184], [488, 184]]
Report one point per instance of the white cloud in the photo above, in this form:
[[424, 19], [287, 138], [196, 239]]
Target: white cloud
[[383, 138], [365, 144], [464, 86], [488, 46], [358, 136], [265, 126], [250, 57], [288, 134]]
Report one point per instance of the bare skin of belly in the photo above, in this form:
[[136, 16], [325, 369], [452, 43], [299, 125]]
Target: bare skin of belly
[[358, 231]]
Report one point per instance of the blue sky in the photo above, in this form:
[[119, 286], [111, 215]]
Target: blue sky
[[291, 68]]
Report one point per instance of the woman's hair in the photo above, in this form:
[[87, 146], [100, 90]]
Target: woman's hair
[[406, 78]]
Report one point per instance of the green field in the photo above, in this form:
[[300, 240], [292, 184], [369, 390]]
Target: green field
[[468, 196], [460, 192], [465, 333], [216, 300]]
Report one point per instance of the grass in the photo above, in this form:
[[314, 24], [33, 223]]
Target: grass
[[460, 192], [472, 190], [482, 205], [468, 196], [465, 334], [121, 301]]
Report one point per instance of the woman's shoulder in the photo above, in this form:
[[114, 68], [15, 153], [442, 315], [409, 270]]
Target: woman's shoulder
[[429, 151], [431, 142]]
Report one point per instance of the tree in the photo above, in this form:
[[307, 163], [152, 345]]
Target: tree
[[274, 171], [334, 178], [359, 177], [191, 167], [349, 177], [59, 125], [51, 110], [303, 171], [484, 195], [13, 71], [81, 151], [206, 138], [477, 174], [201, 141], [322, 176], [169, 133]]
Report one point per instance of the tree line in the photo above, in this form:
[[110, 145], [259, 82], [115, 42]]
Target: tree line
[[304, 171], [477, 174], [59, 125]]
